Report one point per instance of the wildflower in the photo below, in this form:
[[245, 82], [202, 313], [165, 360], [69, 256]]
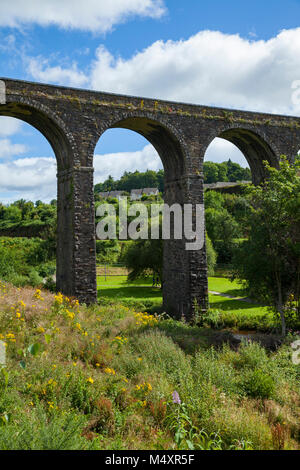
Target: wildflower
[[90, 380], [51, 383], [176, 398], [37, 295], [78, 326], [107, 370], [40, 329], [70, 314], [59, 298]]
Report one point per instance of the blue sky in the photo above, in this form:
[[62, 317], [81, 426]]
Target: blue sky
[[229, 53]]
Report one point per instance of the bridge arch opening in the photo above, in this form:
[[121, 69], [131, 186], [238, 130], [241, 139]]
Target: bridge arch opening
[[159, 150], [28, 199], [64, 149], [255, 149], [164, 140]]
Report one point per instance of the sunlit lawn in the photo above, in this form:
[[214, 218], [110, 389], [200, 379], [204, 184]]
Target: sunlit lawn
[[117, 287]]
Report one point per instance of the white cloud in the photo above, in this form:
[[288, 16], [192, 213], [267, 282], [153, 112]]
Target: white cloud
[[35, 178], [221, 150], [9, 126], [9, 150], [92, 15], [40, 69], [210, 68], [28, 178]]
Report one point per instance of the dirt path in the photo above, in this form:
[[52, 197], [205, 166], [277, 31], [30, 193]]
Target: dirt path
[[242, 299]]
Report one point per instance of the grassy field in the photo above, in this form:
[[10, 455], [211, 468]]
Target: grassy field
[[111, 377], [225, 312]]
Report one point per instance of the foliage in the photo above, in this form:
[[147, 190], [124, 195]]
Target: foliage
[[134, 180], [213, 172], [26, 260], [270, 259], [142, 257], [226, 171]]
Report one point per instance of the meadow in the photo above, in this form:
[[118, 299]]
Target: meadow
[[112, 377], [224, 312]]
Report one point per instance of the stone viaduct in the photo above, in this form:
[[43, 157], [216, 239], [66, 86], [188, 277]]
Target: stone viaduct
[[73, 121]]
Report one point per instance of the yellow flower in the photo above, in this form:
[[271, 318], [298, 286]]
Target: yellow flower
[[78, 326], [90, 380], [107, 370], [59, 298], [70, 314]]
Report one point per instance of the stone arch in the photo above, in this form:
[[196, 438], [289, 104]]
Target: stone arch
[[255, 146], [167, 141], [49, 124], [61, 140]]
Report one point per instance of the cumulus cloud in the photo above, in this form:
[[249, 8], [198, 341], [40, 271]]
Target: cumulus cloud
[[41, 70], [9, 150], [28, 178], [91, 15], [210, 68], [9, 126]]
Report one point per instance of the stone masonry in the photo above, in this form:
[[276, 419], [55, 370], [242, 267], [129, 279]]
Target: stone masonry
[[73, 121]]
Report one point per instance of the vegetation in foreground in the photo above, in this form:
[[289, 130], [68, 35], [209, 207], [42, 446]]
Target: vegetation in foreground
[[113, 378]]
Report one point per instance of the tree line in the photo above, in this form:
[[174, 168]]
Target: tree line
[[213, 173]]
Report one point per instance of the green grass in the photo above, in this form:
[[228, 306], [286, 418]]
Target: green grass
[[226, 286], [241, 315], [102, 377], [139, 294], [230, 313]]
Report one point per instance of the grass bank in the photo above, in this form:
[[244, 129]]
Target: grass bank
[[105, 377]]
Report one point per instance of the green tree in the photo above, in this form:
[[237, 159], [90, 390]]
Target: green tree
[[269, 260], [143, 256]]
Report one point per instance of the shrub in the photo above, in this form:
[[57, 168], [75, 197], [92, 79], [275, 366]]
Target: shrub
[[258, 384]]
